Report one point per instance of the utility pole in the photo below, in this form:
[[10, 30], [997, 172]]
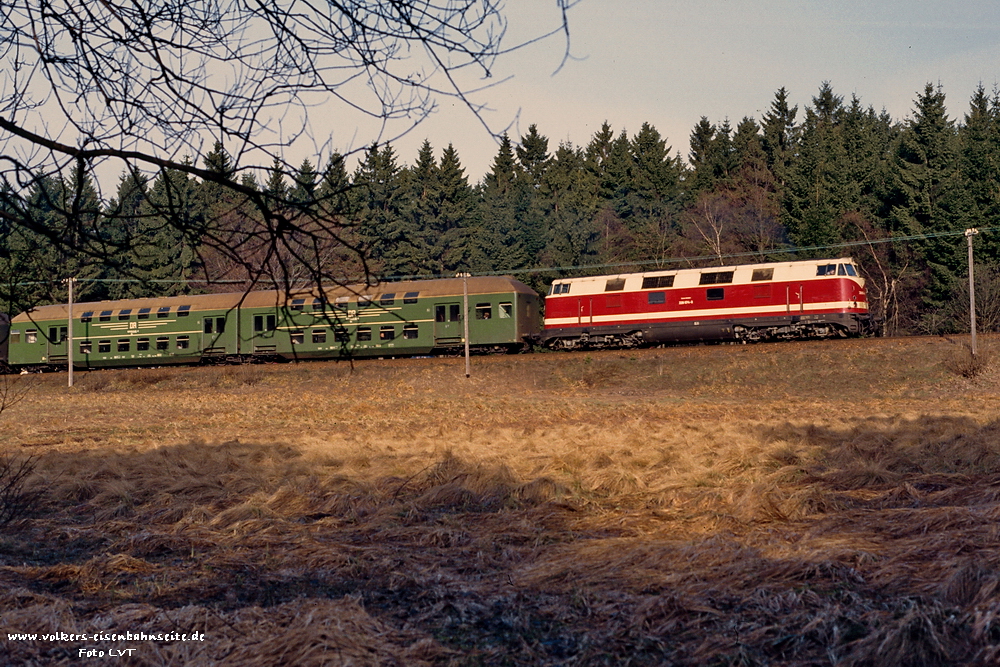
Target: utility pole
[[465, 320], [69, 334], [969, 233]]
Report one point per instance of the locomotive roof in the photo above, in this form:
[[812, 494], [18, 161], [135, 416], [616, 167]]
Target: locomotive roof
[[713, 269], [441, 287]]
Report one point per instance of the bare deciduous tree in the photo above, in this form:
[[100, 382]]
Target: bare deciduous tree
[[147, 84]]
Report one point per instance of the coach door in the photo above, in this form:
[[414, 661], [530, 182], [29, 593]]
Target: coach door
[[447, 323], [56, 343]]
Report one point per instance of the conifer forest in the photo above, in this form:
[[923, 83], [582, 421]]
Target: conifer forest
[[797, 182]]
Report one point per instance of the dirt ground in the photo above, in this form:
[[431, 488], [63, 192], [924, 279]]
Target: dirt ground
[[821, 503]]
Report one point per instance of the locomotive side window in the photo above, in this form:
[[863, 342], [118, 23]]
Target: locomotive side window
[[657, 282], [319, 335], [506, 311], [411, 331], [716, 278], [484, 311], [364, 333], [715, 293], [762, 274], [826, 270], [86, 347], [614, 285], [655, 298], [410, 297]]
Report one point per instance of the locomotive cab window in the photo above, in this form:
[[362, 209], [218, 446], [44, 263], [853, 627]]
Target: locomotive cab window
[[614, 285], [715, 293], [506, 311], [716, 278], [410, 297], [850, 270], [484, 311], [762, 274], [826, 270]]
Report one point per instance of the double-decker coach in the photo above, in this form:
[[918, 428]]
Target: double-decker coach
[[780, 300]]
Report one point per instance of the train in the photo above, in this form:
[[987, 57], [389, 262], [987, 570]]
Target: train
[[741, 303]]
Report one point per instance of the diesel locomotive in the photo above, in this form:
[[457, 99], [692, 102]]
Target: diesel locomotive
[[775, 301]]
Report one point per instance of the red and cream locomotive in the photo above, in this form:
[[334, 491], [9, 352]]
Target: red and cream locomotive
[[754, 302]]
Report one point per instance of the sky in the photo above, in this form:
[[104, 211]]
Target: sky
[[669, 63]]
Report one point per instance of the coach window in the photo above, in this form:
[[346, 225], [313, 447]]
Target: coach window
[[364, 333], [262, 323], [655, 298], [826, 269], [163, 312], [183, 311], [163, 343], [341, 335], [143, 314], [387, 332], [58, 334], [762, 274], [123, 344], [142, 345], [506, 311], [103, 346], [440, 313], [125, 314], [387, 299], [208, 325], [183, 342], [454, 313], [298, 337], [105, 316], [319, 335], [86, 347], [298, 304], [319, 304], [220, 325], [364, 301], [716, 278], [484, 311], [614, 285], [410, 331], [410, 297], [87, 316], [340, 303], [715, 293], [30, 335]]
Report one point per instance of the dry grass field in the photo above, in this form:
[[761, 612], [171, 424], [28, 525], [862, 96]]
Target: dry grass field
[[830, 503]]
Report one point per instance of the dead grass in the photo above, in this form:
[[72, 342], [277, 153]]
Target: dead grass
[[832, 503]]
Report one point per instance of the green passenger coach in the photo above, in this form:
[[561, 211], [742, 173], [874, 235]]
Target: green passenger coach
[[391, 319]]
